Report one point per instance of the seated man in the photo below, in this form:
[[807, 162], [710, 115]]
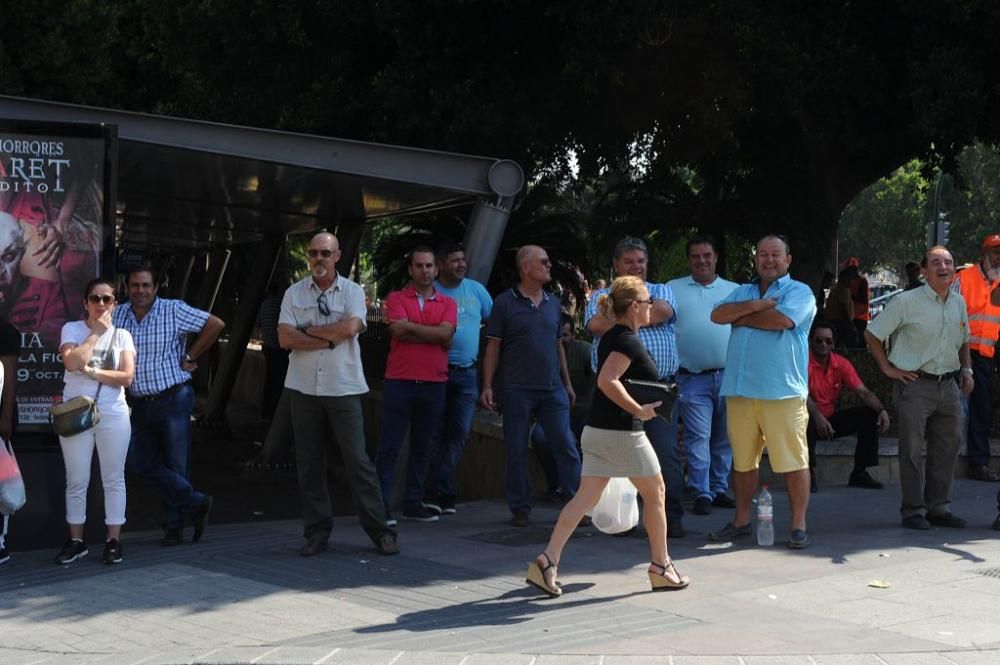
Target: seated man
[[829, 374]]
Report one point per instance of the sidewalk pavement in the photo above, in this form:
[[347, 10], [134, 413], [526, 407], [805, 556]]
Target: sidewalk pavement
[[456, 595]]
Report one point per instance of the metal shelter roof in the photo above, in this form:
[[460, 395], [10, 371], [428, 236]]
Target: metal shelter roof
[[188, 185]]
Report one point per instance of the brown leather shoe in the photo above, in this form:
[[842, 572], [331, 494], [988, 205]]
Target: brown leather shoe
[[387, 544], [520, 518], [315, 545], [983, 472]]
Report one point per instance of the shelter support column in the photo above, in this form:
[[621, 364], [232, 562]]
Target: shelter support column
[[241, 327]]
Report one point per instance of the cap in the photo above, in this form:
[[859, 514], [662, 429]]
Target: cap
[[852, 262], [991, 241]]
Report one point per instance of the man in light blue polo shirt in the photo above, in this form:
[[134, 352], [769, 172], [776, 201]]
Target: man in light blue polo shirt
[[766, 384], [462, 390], [701, 346]]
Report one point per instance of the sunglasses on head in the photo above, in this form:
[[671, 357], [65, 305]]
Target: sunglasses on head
[[100, 299], [325, 253]]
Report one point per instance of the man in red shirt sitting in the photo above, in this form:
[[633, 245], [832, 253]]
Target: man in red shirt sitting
[[829, 374], [422, 323]]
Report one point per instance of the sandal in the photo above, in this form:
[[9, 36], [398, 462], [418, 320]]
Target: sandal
[[660, 581], [544, 579]]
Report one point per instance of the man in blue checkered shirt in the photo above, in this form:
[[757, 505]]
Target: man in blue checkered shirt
[[631, 258], [162, 398]]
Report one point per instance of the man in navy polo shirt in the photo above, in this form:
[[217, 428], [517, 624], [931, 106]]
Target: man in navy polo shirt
[[462, 390], [523, 338]]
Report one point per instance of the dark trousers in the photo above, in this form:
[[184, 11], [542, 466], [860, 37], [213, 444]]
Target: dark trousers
[[930, 418], [858, 420], [160, 451], [275, 368], [860, 326], [980, 410], [461, 393], [417, 406], [662, 435], [316, 421]]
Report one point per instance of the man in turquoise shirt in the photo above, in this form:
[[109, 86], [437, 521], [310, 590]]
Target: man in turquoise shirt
[[766, 384], [462, 391], [701, 346]]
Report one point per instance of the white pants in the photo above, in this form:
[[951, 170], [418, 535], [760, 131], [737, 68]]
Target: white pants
[[110, 437]]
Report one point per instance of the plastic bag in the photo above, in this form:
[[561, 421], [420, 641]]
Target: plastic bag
[[12, 494], [617, 510]]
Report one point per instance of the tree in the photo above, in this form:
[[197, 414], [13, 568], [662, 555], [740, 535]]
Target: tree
[[778, 113]]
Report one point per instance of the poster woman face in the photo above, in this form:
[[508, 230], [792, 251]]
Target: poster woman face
[[11, 253]]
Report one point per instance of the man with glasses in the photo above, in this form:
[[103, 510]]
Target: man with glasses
[[766, 385], [422, 323], [462, 390], [162, 398], [631, 257], [701, 346], [524, 340], [829, 374], [931, 367], [321, 318]]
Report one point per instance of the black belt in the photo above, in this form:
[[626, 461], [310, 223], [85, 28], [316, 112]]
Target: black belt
[[714, 370], [937, 377], [163, 393], [451, 367]]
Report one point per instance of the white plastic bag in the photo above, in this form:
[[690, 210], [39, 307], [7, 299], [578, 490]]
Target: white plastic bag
[[12, 494], [617, 510]]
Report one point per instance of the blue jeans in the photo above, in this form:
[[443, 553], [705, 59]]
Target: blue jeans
[[415, 405], [551, 409], [543, 449], [662, 435], [709, 456], [461, 393], [160, 451]]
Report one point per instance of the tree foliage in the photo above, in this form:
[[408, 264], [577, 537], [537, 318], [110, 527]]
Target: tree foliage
[[746, 116]]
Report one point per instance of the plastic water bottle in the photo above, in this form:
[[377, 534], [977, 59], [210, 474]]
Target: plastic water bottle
[[765, 518]]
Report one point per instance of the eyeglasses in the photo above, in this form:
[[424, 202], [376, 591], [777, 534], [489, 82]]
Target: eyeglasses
[[647, 301], [325, 253], [545, 262], [823, 340], [321, 305], [97, 298]]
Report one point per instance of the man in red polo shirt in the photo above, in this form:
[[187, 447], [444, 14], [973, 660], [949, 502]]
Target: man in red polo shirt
[[829, 374], [422, 323]]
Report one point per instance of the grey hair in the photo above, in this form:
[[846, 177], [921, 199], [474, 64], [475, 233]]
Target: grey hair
[[627, 244]]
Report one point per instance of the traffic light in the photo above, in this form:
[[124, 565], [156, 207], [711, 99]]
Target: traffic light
[[943, 233]]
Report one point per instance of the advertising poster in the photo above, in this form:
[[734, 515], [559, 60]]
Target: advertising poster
[[53, 214]]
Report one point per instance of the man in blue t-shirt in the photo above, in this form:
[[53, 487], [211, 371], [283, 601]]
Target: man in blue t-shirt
[[766, 383], [462, 389]]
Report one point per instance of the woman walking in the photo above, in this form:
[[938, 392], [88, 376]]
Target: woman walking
[[614, 443], [100, 362]]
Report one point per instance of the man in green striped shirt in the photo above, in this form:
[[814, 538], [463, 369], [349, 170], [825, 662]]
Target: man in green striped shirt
[[929, 361]]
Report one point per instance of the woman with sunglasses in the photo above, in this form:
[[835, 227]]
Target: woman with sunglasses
[[100, 362], [614, 441]]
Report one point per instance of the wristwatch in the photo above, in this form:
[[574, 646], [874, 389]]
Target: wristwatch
[[967, 370]]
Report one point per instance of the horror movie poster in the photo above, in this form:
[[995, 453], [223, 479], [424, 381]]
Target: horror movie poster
[[53, 193]]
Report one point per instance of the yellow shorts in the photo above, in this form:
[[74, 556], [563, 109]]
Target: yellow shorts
[[779, 424]]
